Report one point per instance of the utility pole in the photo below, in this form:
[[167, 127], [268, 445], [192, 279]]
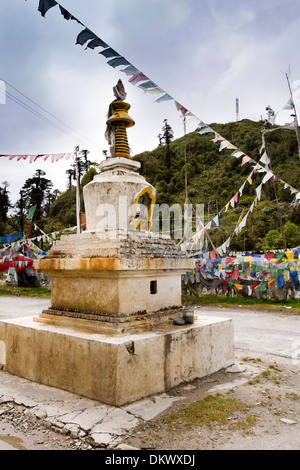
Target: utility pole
[[77, 190], [294, 115]]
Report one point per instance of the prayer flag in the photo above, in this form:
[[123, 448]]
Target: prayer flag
[[258, 191], [265, 159], [289, 104], [45, 5], [165, 97], [109, 52], [216, 220], [117, 61], [180, 108], [205, 131], [267, 176], [31, 212], [84, 36], [201, 124], [155, 90], [249, 179], [148, 84], [237, 154], [131, 70], [245, 160], [68, 15], [96, 42], [138, 78]]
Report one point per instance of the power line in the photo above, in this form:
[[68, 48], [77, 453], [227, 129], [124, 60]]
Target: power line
[[44, 118]]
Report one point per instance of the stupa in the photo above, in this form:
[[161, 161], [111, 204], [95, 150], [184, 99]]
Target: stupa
[[110, 333]]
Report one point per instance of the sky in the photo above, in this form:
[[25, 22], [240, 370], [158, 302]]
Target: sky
[[204, 53]]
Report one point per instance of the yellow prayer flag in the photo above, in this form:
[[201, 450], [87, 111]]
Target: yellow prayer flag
[[290, 255]]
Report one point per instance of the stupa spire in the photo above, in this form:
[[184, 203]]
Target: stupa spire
[[117, 123]]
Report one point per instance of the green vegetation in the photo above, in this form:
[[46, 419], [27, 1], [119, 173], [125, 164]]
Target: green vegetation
[[214, 177], [291, 305], [212, 410], [25, 292]]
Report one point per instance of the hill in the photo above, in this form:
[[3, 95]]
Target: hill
[[214, 177]]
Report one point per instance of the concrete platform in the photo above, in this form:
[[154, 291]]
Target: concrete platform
[[115, 369]]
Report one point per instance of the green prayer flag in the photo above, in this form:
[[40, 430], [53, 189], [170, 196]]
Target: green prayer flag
[[31, 212]]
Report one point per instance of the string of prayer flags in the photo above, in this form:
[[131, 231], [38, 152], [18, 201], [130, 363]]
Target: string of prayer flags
[[9, 238], [54, 157], [136, 76]]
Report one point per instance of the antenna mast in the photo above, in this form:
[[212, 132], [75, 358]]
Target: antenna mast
[[237, 109]]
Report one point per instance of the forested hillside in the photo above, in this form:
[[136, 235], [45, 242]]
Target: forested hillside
[[213, 178]]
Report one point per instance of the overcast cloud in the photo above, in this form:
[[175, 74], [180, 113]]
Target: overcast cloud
[[204, 53]]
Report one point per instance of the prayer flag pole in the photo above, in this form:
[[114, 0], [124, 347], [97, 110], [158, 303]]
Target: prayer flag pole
[[295, 114], [77, 190], [276, 198]]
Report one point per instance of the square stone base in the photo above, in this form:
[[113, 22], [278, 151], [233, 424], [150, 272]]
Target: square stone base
[[115, 369]]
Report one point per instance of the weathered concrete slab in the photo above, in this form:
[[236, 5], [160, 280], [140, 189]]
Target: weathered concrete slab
[[118, 369]]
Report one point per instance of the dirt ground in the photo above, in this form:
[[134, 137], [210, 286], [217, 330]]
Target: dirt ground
[[266, 415], [270, 419]]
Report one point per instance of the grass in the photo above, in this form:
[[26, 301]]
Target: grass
[[212, 410], [25, 292], [187, 299], [226, 301]]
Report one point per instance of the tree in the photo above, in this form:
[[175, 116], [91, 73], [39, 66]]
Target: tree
[[4, 201], [37, 191], [292, 234], [71, 175], [272, 241]]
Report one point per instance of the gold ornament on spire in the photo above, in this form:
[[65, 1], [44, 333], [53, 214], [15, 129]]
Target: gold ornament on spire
[[117, 123]]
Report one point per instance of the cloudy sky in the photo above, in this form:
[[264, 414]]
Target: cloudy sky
[[204, 53]]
